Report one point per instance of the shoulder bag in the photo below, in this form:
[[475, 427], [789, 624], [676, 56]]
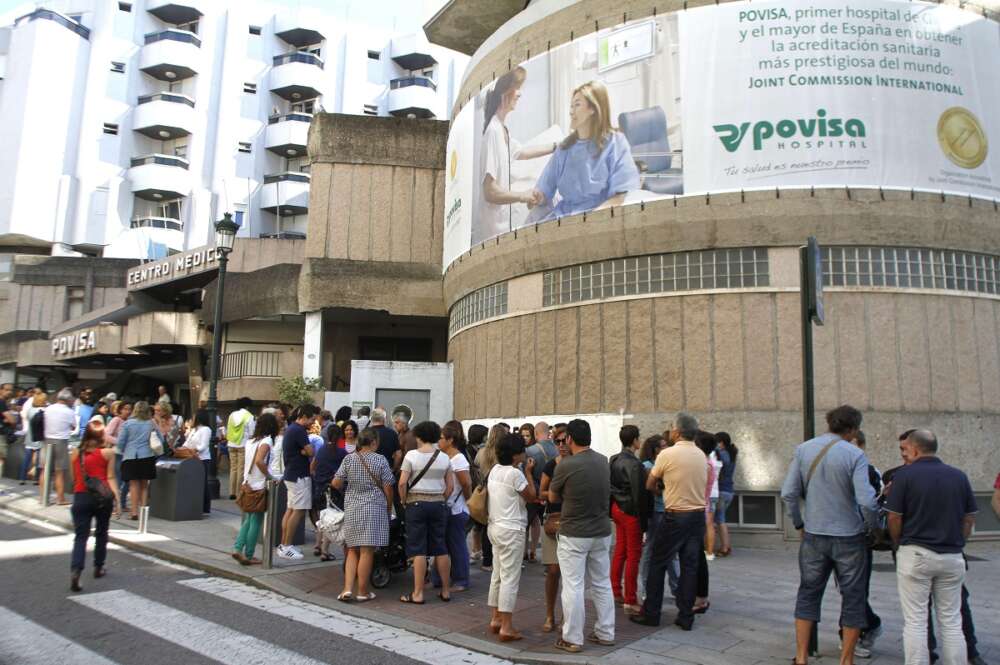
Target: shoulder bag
[[250, 500], [371, 473], [430, 463], [479, 502], [97, 489], [815, 464], [156, 441]]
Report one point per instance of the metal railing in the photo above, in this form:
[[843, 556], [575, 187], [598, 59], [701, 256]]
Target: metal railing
[[157, 223], [421, 81], [295, 117], [166, 97], [64, 21], [165, 160], [288, 176], [174, 35], [240, 364], [298, 56]]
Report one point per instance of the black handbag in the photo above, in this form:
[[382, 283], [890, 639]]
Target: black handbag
[[97, 489]]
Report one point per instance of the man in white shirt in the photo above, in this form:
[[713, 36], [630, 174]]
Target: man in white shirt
[[60, 426], [238, 431]]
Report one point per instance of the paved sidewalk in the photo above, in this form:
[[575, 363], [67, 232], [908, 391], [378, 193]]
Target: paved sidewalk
[[749, 622]]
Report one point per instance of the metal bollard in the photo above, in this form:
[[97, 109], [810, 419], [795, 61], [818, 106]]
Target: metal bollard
[[143, 519], [47, 476], [270, 524]]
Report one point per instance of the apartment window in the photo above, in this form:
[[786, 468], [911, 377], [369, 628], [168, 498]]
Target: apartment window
[[74, 302], [118, 67], [429, 73], [75, 17], [111, 128], [238, 216], [374, 55], [245, 147], [659, 273], [181, 150], [304, 107], [479, 305], [125, 6], [403, 349], [190, 27], [255, 30], [250, 88], [371, 109]]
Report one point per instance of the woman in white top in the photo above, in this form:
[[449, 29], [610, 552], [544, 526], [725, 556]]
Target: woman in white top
[[255, 474], [32, 457], [200, 441], [453, 445], [509, 491], [425, 482], [497, 152]]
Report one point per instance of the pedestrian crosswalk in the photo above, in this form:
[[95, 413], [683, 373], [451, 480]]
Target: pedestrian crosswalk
[[204, 637], [28, 643], [130, 616]]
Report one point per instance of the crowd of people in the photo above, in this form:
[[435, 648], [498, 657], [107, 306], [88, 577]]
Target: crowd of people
[[616, 531]]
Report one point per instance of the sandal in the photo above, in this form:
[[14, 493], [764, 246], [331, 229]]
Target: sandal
[[346, 597], [253, 561], [326, 556], [494, 628], [511, 637], [317, 551], [443, 598], [365, 598], [408, 598], [597, 640], [568, 646], [549, 625]]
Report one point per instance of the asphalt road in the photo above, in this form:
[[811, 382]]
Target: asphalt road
[[147, 612]]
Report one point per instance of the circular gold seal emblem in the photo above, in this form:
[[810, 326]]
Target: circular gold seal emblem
[[962, 138], [453, 166]]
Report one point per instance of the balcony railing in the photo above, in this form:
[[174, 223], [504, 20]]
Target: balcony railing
[[283, 235], [157, 223], [288, 176], [298, 56], [421, 81], [166, 97], [174, 35], [240, 364], [166, 160], [294, 117], [64, 21]]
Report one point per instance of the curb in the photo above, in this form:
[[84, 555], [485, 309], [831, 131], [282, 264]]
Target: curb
[[425, 630]]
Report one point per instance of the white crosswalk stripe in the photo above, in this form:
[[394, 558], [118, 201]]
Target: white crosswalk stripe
[[219, 643], [28, 643], [398, 641]]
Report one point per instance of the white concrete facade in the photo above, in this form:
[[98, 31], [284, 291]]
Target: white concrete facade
[[130, 127]]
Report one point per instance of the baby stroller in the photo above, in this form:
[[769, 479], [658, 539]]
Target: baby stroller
[[391, 558]]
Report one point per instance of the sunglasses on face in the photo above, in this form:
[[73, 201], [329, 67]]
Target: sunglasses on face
[[562, 440]]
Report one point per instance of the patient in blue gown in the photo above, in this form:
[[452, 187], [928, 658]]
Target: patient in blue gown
[[593, 167]]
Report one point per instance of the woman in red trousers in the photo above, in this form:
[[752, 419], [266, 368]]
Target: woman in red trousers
[[629, 510]]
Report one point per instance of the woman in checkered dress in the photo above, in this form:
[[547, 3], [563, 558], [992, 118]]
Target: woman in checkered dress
[[367, 482]]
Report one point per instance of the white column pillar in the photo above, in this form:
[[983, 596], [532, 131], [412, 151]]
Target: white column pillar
[[312, 352]]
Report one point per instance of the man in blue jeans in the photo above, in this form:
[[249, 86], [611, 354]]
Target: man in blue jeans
[[826, 484]]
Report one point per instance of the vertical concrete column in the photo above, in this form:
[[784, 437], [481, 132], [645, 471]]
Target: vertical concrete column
[[312, 352]]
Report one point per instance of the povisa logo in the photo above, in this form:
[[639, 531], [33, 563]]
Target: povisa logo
[[820, 126]]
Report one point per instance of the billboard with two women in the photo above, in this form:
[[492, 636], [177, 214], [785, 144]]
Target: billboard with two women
[[730, 97]]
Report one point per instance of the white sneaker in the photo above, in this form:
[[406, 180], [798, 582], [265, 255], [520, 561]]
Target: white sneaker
[[868, 641], [289, 552], [859, 651], [709, 556]]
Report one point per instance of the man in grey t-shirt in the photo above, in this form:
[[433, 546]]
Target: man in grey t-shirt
[[582, 483]]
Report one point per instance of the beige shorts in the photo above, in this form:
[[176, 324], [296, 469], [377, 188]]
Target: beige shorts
[[60, 453], [549, 546], [299, 493]]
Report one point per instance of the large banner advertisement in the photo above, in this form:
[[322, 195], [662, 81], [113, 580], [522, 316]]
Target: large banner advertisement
[[737, 96]]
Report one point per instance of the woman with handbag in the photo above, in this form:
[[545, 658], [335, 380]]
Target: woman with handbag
[[366, 479], [486, 457], [453, 445], [252, 498], [550, 530], [425, 482], [171, 427], [95, 497], [136, 440]]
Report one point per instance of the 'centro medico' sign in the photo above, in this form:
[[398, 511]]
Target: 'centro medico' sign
[[174, 267]]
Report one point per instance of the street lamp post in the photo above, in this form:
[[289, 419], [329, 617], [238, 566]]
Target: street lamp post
[[225, 234]]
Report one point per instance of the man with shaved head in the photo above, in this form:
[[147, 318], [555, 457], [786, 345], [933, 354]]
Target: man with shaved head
[[931, 511]]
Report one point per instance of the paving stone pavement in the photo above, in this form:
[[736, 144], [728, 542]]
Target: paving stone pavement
[[750, 620]]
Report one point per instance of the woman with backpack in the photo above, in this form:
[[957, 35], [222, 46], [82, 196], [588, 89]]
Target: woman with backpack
[[258, 454], [95, 497], [33, 415]]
